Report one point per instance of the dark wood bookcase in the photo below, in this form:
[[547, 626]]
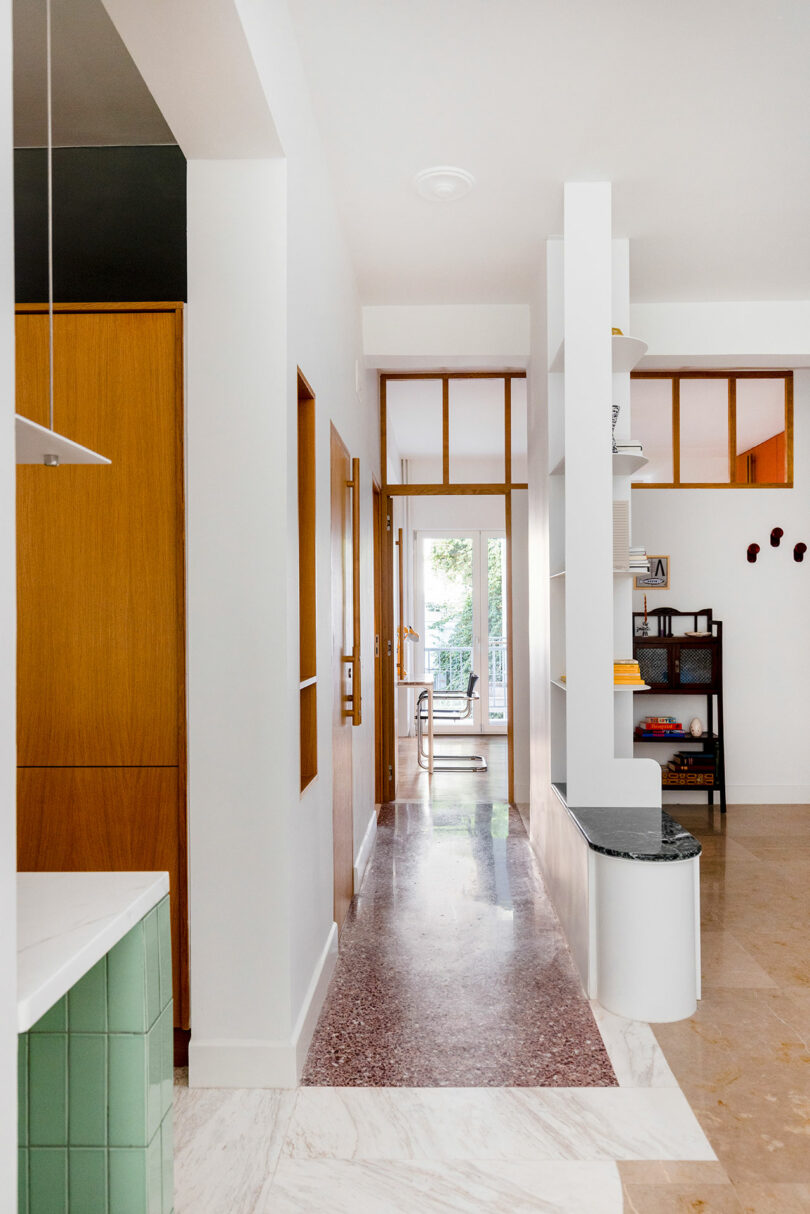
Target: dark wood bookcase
[[686, 665]]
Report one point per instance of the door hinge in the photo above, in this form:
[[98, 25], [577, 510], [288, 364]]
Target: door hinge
[[388, 522], [390, 772], [376, 646], [390, 650]]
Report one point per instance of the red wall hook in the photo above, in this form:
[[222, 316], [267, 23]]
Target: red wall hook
[[753, 549], [776, 536], [799, 551]]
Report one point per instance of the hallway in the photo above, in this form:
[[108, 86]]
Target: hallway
[[453, 970]]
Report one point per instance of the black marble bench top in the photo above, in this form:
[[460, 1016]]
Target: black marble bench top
[[633, 833]]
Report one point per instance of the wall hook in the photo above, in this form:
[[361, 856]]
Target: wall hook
[[776, 536], [753, 549], [799, 551]]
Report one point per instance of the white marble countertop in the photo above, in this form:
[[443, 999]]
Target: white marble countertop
[[66, 922]]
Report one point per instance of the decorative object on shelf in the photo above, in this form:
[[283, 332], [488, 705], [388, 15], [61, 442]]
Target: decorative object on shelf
[[658, 576], [688, 665], [643, 628], [614, 332], [799, 551], [696, 727], [751, 555], [616, 411], [626, 673], [776, 536]]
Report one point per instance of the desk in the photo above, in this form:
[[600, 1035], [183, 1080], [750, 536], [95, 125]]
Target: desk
[[425, 681]]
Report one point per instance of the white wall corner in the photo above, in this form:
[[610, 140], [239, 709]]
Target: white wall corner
[[221, 1063], [364, 851]]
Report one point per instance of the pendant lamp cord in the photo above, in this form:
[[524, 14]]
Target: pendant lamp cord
[[49, 94]]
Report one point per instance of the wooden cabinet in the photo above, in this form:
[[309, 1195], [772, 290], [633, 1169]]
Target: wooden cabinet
[[101, 640]]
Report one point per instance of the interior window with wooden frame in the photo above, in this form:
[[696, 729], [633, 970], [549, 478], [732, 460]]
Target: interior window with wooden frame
[[454, 432], [714, 429]]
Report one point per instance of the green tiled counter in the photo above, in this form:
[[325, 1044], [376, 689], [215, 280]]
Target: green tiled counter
[[95, 1086]]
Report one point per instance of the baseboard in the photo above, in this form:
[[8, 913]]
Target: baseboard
[[744, 794], [364, 851], [224, 1063]]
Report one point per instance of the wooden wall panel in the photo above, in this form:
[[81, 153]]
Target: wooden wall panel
[[104, 818], [97, 570]]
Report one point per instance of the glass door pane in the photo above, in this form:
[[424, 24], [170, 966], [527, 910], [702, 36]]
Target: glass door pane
[[448, 594], [494, 693]]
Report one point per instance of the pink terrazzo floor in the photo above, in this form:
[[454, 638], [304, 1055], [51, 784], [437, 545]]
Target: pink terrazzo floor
[[453, 970]]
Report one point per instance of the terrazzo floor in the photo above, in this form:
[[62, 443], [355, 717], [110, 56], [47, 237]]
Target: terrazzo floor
[[453, 970]]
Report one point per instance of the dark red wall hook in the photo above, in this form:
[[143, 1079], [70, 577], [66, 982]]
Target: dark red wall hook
[[776, 536], [753, 549], [799, 551]]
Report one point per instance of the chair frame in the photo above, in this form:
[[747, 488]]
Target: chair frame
[[452, 762]]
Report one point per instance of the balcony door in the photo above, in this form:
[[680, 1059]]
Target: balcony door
[[460, 592]]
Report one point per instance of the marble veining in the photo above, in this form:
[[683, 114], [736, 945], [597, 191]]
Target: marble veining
[[66, 922], [635, 1055], [453, 969], [633, 833]]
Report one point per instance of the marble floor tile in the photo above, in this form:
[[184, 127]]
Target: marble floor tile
[[635, 1055], [681, 1199], [226, 1144], [667, 1171], [774, 1198], [485, 1123], [483, 1187], [724, 962]]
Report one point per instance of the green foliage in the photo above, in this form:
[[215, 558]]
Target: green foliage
[[453, 620]]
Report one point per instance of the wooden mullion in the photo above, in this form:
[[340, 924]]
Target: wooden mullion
[[454, 490], [732, 431], [445, 430], [507, 432], [383, 435], [676, 430], [789, 429]]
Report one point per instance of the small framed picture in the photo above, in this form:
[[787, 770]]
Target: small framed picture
[[658, 577]]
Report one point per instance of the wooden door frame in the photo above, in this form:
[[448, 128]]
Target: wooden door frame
[[343, 876], [447, 488], [388, 741]]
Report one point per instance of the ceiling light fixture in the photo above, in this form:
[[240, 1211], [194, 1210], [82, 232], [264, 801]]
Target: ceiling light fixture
[[443, 183], [37, 444]]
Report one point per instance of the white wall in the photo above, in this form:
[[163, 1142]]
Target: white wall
[[752, 333], [764, 608], [271, 288], [8, 658], [466, 336]]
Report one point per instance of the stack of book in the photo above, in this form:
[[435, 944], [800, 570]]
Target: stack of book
[[660, 727], [638, 560], [626, 673], [685, 768], [630, 447]]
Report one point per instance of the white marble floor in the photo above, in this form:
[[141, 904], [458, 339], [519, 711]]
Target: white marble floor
[[375, 1150]]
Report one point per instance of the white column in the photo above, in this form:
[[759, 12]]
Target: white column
[[242, 737], [8, 659]]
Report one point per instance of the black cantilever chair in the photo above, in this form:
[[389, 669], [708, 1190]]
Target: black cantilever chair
[[459, 708]]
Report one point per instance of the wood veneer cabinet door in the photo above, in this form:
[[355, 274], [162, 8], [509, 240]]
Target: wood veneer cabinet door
[[101, 642], [97, 550]]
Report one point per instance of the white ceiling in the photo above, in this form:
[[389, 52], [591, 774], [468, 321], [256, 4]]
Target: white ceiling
[[99, 97], [696, 110]]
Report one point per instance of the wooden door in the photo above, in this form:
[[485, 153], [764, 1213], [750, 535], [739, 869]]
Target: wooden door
[[101, 639], [341, 564]]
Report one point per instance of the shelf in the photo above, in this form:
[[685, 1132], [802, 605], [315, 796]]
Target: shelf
[[702, 738], [559, 573], [623, 465], [557, 683], [627, 352], [616, 686], [37, 444]]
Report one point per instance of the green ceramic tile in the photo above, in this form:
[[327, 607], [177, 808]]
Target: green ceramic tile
[[152, 947], [165, 944], [126, 984], [88, 1181], [54, 1020], [128, 1181], [128, 1084], [154, 1100], [154, 1175], [22, 1181], [167, 1161], [47, 1089], [167, 1078], [22, 1090], [47, 1181], [87, 1001], [87, 1089]]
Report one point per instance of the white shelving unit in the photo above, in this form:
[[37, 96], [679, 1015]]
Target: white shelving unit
[[614, 909]]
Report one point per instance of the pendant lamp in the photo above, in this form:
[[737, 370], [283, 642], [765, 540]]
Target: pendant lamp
[[37, 444]]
